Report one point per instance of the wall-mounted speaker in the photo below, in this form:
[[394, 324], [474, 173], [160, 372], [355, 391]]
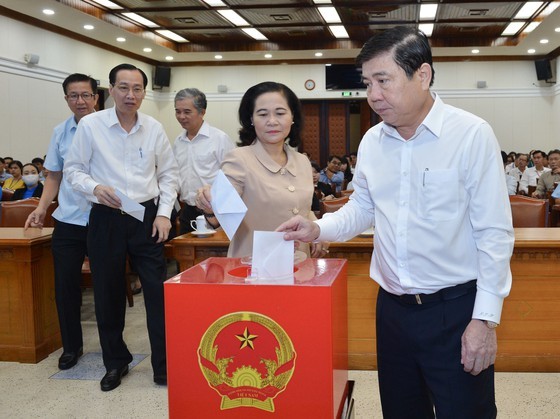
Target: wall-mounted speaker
[[162, 76], [222, 88], [544, 69], [31, 59]]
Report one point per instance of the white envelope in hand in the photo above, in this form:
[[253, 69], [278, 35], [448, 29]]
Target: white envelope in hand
[[273, 257], [131, 207], [228, 206]]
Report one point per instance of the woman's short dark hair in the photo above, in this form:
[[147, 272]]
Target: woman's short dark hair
[[31, 164], [17, 163], [247, 134], [410, 48], [316, 166]]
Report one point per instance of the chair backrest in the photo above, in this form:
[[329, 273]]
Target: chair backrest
[[333, 205], [7, 195], [529, 212], [15, 213]]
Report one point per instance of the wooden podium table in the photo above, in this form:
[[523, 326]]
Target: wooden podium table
[[29, 329], [240, 348], [529, 334]]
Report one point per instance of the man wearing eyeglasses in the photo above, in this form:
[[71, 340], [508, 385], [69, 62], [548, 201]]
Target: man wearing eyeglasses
[[70, 232], [122, 151], [332, 175]]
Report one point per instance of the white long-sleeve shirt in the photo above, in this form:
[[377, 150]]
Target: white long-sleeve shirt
[[200, 159], [139, 163], [440, 207], [531, 177]]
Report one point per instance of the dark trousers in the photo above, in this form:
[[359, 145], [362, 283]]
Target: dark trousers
[[69, 248], [111, 237], [188, 213], [419, 361]]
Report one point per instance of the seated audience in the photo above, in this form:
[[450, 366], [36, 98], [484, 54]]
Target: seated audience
[[531, 175], [15, 182], [322, 190], [3, 172], [548, 179], [33, 187], [38, 161], [345, 168], [332, 175]]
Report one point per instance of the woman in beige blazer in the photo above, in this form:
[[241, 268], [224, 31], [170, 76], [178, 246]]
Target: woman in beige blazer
[[272, 178]]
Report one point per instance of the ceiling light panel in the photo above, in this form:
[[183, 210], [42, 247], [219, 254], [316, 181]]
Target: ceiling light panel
[[339, 31], [171, 35], [528, 9], [329, 14], [108, 4], [428, 11], [141, 20], [233, 17], [255, 34]]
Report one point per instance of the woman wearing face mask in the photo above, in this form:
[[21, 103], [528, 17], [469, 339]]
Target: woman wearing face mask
[[15, 182], [33, 188]]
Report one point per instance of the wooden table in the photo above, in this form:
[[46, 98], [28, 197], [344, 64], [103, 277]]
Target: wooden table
[[29, 329], [529, 336]]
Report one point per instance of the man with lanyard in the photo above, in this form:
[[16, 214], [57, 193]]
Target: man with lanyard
[[121, 150], [69, 239], [430, 177]]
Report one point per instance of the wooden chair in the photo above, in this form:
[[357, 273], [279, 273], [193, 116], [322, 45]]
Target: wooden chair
[[15, 213], [529, 212], [333, 205], [7, 194]]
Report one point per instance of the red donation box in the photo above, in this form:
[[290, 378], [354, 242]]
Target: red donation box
[[238, 348]]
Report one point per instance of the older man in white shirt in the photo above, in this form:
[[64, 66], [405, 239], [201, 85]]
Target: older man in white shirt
[[199, 151]]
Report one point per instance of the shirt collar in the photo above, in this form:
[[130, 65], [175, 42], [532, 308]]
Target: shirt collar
[[264, 158], [203, 132], [433, 121], [114, 119]]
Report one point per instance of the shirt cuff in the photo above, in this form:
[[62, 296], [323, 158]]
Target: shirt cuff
[[487, 306]]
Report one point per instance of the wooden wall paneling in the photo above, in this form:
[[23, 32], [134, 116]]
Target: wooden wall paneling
[[311, 135], [337, 128]]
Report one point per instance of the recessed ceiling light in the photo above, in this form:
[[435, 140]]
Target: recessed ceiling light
[[318, 54], [329, 14], [427, 28], [267, 55], [531, 51], [544, 41], [147, 49], [171, 35], [89, 27], [214, 3], [121, 39], [141, 20], [108, 4], [218, 56], [428, 11], [512, 28], [48, 12], [475, 51], [528, 9], [233, 17], [169, 58], [339, 31], [255, 34], [556, 29], [531, 27]]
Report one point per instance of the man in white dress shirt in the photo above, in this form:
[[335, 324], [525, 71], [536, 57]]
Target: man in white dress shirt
[[121, 149], [430, 177], [531, 175], [199, 151]]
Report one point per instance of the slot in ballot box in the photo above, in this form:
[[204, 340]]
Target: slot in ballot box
[[241, 348]]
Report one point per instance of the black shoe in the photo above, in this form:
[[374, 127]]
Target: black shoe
[[136, 291], [112, 379], [68, 359], [160, 379]]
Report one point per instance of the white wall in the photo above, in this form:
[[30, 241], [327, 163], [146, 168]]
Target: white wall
[[521, 112]]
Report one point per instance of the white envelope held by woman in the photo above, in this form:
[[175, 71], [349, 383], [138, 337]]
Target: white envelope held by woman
[[228, 206]]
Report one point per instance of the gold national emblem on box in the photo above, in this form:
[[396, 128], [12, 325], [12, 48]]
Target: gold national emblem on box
[[248, 359]]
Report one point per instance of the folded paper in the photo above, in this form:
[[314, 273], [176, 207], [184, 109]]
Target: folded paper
[[228, 206], [130, 206], [273, 257]]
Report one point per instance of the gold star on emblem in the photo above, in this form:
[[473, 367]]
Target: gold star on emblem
[[246, 339]]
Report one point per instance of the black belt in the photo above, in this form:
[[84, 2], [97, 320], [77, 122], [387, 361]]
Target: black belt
[[105, 208], [441, 295]]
